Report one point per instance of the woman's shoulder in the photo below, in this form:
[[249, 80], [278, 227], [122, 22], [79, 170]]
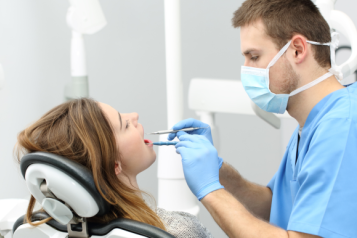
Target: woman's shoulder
[[183, 224]]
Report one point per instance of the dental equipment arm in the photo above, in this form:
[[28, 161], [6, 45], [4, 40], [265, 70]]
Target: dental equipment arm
[[83, 17]]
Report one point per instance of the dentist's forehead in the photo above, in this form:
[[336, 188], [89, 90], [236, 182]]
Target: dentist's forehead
[[253, 36]]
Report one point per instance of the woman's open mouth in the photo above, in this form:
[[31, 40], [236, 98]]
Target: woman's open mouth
[[148, 142]]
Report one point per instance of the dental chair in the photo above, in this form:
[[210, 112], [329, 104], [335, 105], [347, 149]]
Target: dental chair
[[67, 193]]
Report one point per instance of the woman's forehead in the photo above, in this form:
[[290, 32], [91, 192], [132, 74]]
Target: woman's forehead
[[110, 113]]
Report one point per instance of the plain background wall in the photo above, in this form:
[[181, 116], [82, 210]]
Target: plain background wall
[[126, 65]]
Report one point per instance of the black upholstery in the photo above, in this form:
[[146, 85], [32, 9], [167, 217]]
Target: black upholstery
[[102, 229], [76, 171]]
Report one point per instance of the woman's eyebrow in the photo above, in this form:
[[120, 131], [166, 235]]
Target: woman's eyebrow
[[121, 123]]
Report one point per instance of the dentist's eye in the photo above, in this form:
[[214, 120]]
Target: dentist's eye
[[254, 58]]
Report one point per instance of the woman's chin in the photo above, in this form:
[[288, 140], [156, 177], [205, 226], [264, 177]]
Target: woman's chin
[[153, 156]]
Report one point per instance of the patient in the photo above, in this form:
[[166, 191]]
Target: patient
[[112, 146]]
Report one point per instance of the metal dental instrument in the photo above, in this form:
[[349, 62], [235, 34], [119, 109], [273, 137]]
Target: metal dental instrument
[[164, 143], [174, 131]]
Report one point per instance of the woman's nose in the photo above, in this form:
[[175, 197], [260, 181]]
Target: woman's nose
[[134, 118]]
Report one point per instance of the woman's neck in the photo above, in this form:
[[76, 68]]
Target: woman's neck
[[131, 182]]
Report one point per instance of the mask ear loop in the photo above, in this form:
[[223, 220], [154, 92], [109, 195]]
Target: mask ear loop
[[277, 56], [309, 85], [335, 70]]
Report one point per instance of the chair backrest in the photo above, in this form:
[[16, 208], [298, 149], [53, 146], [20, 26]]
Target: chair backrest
[[67, 192], [68, 181]]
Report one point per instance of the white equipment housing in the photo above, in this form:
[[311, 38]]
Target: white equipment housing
[[174, 194], [11, 210], [210, 96]]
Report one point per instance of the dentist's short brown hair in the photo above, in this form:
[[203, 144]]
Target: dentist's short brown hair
[[285, 18]]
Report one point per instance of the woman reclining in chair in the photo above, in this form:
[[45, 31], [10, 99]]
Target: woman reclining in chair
[[112, 146]]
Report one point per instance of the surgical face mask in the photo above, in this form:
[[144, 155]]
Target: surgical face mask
[[256, 80]]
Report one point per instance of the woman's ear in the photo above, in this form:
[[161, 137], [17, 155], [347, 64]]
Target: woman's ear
[[117, 168]]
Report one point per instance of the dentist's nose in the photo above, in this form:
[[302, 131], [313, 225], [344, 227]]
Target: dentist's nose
[[245, 63]]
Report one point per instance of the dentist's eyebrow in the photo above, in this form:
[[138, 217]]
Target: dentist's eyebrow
[[247, 52], [121, 123]]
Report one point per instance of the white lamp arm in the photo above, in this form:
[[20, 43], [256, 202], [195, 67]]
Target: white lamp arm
[[340, 22], [343, 23]]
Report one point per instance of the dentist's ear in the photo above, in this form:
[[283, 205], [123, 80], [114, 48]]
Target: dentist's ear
[[117, 168], [299, 45]]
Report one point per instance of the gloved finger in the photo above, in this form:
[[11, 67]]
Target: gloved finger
[[196, 139], [186, 144], [182, 151], [171, 136], [187, 137], [190, 123], [181, 133]]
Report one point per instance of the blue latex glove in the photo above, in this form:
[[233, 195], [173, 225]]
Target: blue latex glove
[[200, 164], [193, 123]]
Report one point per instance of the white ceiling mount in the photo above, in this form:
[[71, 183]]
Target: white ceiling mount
[[85, 16]]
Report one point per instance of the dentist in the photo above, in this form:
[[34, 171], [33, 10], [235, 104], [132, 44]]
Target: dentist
[[289, 65]]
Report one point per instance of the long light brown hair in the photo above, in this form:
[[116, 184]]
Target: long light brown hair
[[79, 130]]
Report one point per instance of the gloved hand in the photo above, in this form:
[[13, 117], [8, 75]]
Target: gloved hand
[[200, 164], [206, 132], [192, 123]]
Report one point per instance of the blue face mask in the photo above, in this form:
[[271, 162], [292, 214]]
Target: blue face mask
[[256, 81]]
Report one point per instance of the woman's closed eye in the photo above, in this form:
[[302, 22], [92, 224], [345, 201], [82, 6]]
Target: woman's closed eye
[[127, 124]]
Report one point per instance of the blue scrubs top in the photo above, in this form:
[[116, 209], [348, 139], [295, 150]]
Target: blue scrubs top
[[318, 194]]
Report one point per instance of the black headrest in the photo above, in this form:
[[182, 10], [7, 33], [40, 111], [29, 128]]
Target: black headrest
[[98, 229], [76, 171]]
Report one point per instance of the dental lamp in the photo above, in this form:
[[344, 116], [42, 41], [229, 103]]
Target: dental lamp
[[83, 17]]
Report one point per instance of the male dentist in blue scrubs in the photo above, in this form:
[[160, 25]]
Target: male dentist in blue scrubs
[[289, 65]]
